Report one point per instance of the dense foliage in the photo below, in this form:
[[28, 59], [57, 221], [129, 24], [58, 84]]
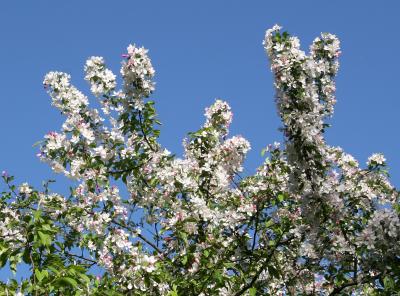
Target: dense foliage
[[141, 221]]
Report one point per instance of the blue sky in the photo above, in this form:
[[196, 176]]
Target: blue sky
[[201, 50]]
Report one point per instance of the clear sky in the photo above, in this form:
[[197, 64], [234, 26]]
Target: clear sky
[[201, 50]]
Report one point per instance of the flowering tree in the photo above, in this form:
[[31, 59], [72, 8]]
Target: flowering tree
[[141, 221]]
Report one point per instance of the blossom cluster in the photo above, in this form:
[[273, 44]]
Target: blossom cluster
[[137, 72], [102, 79]]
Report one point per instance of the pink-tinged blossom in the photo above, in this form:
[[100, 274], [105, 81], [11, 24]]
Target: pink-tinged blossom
[[102, 80], [65, 97], [219, 116], [25, 189], [376, 159], [137, 72]]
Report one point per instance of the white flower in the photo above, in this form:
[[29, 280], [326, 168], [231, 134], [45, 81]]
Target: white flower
[[87, 133], [149, 262], [65, 97], [101, 151], [137, 73], [376, 159], [219, 116], [102, 80], [57, 166], [25, 189], [91, 245]]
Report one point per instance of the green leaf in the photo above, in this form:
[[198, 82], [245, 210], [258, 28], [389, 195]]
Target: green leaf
[[173, 293], [47, 227], [40, 275], [84, 278], [54, 270], [37, 214], [184, 259], [218, 277], [14, 259], [273, 271], [269, 223], [388, 283], [45, 239], [252, 291], [69, 281], [264, 151], [3, 258], [37, 143], [27, 219], [26, 256]]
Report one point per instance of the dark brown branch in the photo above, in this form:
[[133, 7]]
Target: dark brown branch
[[258, 273], [141, 237], [339, 289]]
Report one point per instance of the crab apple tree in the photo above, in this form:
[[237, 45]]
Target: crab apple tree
[[141, 221]]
